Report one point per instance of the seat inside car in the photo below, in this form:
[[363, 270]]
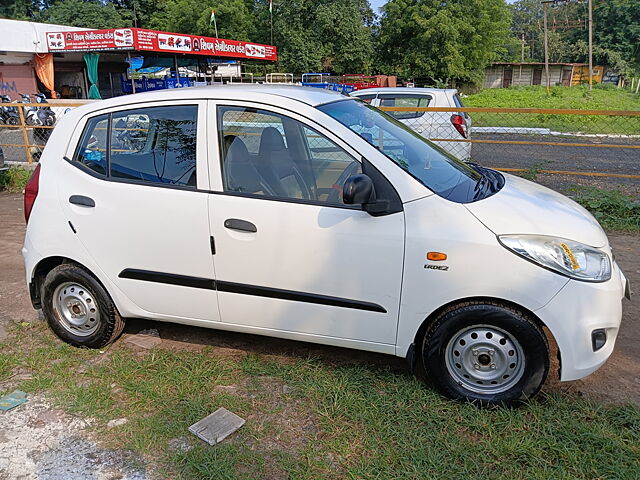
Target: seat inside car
[[241, 175], [278, 168]]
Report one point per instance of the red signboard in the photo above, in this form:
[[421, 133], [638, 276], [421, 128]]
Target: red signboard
[[140, 39]]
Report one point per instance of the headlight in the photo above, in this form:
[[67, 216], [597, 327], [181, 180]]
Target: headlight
[[572, 259]]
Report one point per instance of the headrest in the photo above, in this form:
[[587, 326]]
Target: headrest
[[271, 141], [235, 148]]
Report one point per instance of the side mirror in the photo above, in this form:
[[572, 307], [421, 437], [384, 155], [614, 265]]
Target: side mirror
[[358, 189]]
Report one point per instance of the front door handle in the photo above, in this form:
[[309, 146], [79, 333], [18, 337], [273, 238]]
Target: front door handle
[[82, 200], [242, 225]]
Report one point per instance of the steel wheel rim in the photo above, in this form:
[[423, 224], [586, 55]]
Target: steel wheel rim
[[76, 309], [485, 359]]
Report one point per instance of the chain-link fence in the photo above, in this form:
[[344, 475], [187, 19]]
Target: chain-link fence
[[26, 127], [590, 147], [578, 145]]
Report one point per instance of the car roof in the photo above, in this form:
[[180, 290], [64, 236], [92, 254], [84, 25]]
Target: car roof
[[308, 95], [414, 90]]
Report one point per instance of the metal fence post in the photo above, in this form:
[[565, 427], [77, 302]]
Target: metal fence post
[[25, 135]]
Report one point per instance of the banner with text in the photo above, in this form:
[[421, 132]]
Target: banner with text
[[140, 39]]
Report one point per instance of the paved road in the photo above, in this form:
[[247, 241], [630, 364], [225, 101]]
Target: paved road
[[557, 157]]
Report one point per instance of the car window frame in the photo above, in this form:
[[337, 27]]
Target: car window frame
[[215, 152], [202, 171]]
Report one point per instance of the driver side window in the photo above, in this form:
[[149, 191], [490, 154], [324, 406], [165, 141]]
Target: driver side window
[[271, 155]]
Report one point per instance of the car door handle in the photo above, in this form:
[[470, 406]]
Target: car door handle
[[82, 200], [242, 225]]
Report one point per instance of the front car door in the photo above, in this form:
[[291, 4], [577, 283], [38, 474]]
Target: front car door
[[291, 259], [132, 195]]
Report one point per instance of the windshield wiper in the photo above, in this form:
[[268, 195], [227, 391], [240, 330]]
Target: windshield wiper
[[489, 182], [481, 186]]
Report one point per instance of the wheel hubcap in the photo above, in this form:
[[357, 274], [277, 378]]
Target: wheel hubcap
[[485, 359], [76, 309]]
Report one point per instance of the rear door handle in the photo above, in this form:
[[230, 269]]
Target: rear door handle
[[242, 225], [82, 200]]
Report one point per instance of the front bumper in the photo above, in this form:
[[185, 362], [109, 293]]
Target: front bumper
[[575, 312]]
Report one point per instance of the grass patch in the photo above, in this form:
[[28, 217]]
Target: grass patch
[[331, 421], [612, 208], [15, 178], [603, 98]]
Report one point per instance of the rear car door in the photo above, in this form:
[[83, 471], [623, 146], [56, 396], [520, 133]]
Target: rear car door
[[133, 196], [291, 258]]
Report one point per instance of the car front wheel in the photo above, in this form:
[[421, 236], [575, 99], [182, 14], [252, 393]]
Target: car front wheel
[[486, 353], [78, 308]]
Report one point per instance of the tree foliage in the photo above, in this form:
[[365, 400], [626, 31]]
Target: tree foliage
[[616, 32], [233, 18], [441, 39], [320, 35], [85, 13]]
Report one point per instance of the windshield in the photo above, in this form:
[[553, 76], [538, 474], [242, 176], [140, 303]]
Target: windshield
[[436, 169]]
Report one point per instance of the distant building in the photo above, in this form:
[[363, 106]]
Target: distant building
[[507, 74]]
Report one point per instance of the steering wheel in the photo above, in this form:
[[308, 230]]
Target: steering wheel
[[335, 196]]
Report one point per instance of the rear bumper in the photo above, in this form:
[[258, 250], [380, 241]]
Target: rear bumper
[[575, 313], [31, 258]]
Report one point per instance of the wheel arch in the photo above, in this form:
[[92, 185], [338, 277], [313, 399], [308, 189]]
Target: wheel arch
[[414, 352], [42, 268]]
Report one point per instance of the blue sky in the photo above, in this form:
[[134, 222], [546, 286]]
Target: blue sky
[[376, 4]]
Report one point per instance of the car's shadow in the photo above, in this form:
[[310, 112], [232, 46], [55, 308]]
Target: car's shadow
[[189, 338]]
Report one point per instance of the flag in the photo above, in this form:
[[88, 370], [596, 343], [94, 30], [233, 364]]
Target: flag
[[270, 6], [213, 16]]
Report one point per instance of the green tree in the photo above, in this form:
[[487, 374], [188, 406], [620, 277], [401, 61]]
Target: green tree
[[442, 40], [233, 17], [85, 13], [318, 35], [22, 9], [617, 30]]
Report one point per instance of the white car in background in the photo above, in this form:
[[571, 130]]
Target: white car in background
[[431, 125]]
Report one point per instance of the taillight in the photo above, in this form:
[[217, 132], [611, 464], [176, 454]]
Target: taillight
[[31, 192], [460, 124]]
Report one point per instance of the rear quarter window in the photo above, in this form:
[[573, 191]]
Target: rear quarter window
[[91, 152], [406, 101]]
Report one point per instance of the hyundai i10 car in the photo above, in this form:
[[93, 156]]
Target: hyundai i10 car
[[299, 213]]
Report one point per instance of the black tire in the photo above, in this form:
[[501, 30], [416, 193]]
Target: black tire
[[514, 373], [103, 322]]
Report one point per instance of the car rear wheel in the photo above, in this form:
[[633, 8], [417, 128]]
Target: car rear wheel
[[486, 353], [78, 309]]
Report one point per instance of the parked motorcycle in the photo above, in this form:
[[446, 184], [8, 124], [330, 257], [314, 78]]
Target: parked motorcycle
[[8, 115], [39, 117]]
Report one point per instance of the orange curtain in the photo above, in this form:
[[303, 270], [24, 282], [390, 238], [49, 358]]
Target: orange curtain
[[44, 69]]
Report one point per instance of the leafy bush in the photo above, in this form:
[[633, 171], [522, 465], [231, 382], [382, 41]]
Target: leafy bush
[[612, 208], [15, 178]]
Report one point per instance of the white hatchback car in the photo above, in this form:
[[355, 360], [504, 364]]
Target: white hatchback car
[[266, 210], [455, 126]]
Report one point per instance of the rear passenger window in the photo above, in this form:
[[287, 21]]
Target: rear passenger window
[[407, 101], [155, 145], [366, 98], [92, 149]]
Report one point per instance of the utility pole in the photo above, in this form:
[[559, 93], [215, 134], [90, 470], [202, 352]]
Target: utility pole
[[590, 46], [546, 45], [522, 56]]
